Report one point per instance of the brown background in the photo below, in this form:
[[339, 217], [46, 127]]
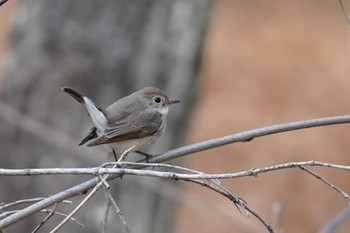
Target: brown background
[[268, 62]]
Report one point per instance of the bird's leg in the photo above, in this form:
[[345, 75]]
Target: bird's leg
[[144, 154], [115, 155]]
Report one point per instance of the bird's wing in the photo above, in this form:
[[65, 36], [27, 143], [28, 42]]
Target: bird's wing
[[91, 135], [141, 123]]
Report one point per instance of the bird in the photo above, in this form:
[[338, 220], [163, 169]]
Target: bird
[[132, 123]]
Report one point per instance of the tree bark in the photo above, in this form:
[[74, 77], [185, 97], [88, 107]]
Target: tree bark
[[105, 50]]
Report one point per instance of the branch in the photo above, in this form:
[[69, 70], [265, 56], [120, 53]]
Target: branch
[[18, 202], [99, 171], [74, 191], [47, 211], [51, 213], [198, 177], [238, 137], [248, 135], [63, 215], [103, 182], [116, 209], [344, 194]]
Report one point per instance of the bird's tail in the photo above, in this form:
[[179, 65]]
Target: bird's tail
[[74, 94], [97, 115]]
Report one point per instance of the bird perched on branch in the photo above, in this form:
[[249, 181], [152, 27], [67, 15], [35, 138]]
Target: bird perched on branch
[[129, 124]]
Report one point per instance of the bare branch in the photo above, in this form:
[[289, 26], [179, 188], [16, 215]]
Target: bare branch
[[76, 190], [46, 211], [69, 216], [248, 136], [97, 187], [98, 171], [344, 194], [18, 202], [238, 137], [116, 209], [196, 178], [63, 215], [51, 213], [236, 200]]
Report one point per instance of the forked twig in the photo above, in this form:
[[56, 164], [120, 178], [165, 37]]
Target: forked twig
[[236, 200], [237, 137], [64, 215], [93, 191], [51, 213]]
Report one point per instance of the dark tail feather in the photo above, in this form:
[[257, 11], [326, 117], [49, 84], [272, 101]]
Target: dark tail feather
[[91, 135], [77, 96], [74, 94]]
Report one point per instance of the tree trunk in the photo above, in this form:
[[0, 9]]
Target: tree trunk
[[105, 50]]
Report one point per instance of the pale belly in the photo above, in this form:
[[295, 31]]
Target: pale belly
[[135, 144]]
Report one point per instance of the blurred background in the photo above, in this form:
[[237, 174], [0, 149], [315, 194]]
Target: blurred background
[[235, 64]]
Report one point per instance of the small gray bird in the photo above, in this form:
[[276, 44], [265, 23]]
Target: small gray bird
[[129, 124]]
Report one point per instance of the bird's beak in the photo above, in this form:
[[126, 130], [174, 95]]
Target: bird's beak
[[174, 101]]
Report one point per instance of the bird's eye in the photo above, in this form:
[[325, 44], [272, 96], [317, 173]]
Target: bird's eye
[[157, 100]]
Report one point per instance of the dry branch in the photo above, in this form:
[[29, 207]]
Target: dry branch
[[130, 169], [99, 171]]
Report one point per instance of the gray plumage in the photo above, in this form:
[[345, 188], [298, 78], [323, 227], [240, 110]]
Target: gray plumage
[[134, 121]]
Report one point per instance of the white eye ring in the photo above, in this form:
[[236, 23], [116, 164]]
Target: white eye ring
[[157, 99]]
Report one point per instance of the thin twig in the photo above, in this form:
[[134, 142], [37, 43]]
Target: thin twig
[[4, 206], [51, 213], [69, 216], [236, 200], [47, 211], [94, 190], [344, 194], [64, 215], [7, 213], [153, 165], [266, 224], [117, 209]]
